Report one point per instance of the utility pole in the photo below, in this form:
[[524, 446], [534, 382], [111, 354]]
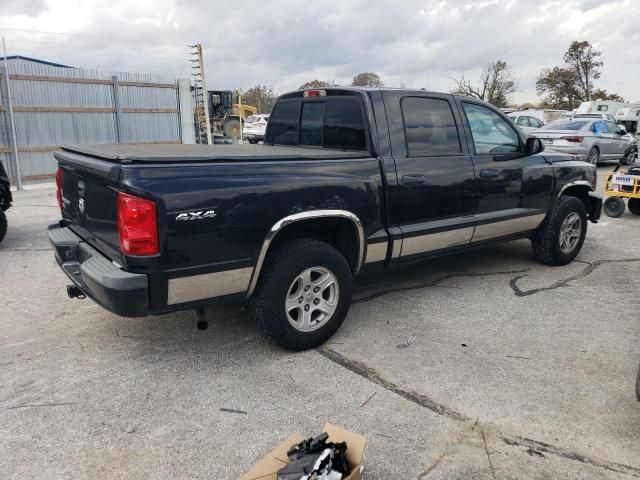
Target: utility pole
[[202, 97], [11, 119], [240, 114]]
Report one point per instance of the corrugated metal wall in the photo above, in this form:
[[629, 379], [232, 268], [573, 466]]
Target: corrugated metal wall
[[56, 106]]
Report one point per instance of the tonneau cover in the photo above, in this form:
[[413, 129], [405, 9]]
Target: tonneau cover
[[124, 153]]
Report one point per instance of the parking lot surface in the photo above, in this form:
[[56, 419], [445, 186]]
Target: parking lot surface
[[518, 370]]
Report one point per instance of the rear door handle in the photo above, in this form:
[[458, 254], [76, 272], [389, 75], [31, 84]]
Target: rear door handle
[[489, 173], [413, 179]]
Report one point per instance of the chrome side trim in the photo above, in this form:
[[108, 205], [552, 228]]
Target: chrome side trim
[[507, 227], [377, 252], [208, 285], [436, 241], [296, 217], [397, 248], [574, 183]]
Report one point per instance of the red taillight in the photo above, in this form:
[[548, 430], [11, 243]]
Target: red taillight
[[59, 187], [573, 139], [315, 93], [137, 225], [258, 125]]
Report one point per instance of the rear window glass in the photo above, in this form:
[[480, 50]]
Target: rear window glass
[[311, 123], [332, 123], [344, 125], [252, 119], [283, 128], [587, 115], [429, 127], [565, 125]]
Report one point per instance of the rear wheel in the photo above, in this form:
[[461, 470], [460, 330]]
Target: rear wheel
[[303, 294], [560, 237], [3, 224], [594, 156], [634, 205], [613, 207]]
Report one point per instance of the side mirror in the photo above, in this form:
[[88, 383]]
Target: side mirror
[[534, 145]]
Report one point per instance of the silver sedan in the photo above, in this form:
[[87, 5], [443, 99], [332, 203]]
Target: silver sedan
[[593, 140]]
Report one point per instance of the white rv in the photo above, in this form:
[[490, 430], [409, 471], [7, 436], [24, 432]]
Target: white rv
[[601, 106], [629, 116]]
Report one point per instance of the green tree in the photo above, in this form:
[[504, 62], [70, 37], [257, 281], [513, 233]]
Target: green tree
[[582, 59], [558, 88], [367, 79], [600, 94], [496, 83], [260, 96], [317, 84]]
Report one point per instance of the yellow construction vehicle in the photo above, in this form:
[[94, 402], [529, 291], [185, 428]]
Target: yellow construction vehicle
[[225, 117]]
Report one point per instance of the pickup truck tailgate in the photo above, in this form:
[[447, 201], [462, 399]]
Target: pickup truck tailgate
[[90, 207]]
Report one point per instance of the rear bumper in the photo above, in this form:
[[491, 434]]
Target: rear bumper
[[123, 293]]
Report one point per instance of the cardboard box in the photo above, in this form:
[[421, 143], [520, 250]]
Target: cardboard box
[[267, 468]]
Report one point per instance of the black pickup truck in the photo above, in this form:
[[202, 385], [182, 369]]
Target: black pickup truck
[[348, 180]]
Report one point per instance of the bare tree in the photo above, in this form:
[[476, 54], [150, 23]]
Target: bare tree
[[496, 84], [260, 96], [367, 79]]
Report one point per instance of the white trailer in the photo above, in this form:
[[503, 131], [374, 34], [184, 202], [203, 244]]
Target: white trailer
[[629, 117], [601, 106]]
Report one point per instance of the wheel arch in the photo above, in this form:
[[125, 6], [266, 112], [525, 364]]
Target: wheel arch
[[579, 189], [315, 224]]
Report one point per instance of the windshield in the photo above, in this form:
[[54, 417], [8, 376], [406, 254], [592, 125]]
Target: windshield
[[252, 119], [565, 125]]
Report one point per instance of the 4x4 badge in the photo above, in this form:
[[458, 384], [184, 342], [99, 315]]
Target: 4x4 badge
[[199, 215]]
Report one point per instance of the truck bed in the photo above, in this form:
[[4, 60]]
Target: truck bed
[[119, 153]]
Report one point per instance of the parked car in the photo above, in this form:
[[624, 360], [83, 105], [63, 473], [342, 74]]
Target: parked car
[[602, 116], [527, 123], [349, 180], [592, 140], [254, 128], [5, 200]]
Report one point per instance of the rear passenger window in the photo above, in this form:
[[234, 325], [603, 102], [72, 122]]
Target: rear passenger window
[[311, 123], [429, 127], [344, 125], [283, 130], [523, 122]]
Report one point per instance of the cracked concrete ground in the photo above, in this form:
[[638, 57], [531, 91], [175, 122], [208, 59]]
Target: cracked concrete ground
[[518, 371]]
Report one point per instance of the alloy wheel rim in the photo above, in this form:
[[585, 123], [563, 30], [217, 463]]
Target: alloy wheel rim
[[593, 157], [570, 232], [312, 299]]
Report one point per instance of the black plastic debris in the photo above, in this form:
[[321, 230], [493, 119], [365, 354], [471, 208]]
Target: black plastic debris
[[315, 458]]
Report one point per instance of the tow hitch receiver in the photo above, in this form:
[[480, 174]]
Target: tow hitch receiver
[[74, 292]]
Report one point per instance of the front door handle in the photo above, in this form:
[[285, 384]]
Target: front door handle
[[413, 179], [489, 173]]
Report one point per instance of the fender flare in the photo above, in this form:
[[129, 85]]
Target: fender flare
[[296, 217]]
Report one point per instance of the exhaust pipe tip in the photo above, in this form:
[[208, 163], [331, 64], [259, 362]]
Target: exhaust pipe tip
[[74, 292]]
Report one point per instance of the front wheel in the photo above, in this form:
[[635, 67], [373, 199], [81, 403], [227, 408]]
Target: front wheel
[[560, 237], [303, 294]]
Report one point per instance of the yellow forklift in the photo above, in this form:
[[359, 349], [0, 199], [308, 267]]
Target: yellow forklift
[[226, 115]]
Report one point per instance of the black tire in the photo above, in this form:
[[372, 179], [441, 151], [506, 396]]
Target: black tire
[[634, 205], [267, 305], [594, 156], [3, 224], [546, 241], [231, 128], [613, 207]]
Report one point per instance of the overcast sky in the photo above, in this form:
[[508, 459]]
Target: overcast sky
[[284, 43]]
